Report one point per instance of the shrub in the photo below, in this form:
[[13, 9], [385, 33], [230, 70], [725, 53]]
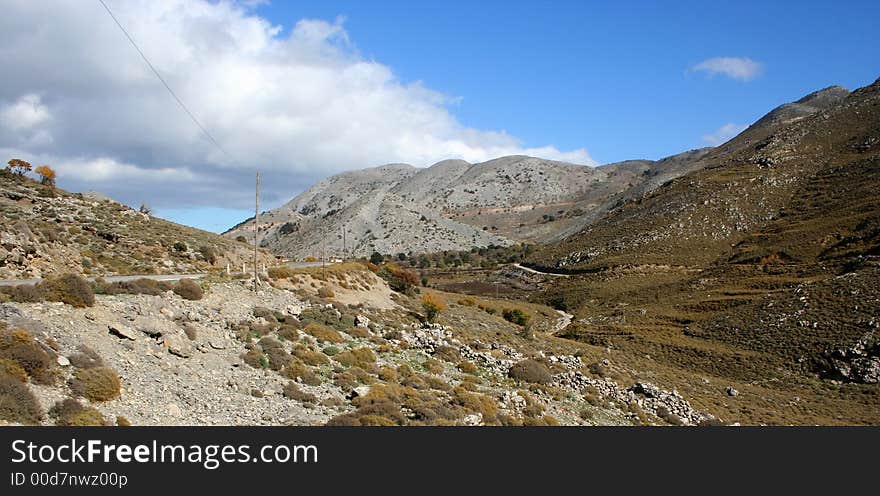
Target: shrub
[[70, 289], [293, 392], [467, 301], [530, 370], [330, 350], [208, 253], [17, 402], [179, 246], [400, 280], [288, 332], [447, 353], [122, 421], [323, 333], [358, 332], [241, 239], [310, 357], [515, 315], [70, 412], [19, 347], [476, 402], [387, 374], [376, 258], [360, 357], [297, 370], [256, 359], [467, 367], [325, 292], [9, 368], [279, 272], [433, 366], [278, 358], [138, 286], [23, 293], [96, 384], [432, 305], [86, 358], [188, 289]]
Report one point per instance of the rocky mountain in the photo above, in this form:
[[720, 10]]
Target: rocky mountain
[[451, 205], [759, 266], [46, 231]]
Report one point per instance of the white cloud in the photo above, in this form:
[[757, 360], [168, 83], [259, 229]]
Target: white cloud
[[724, 133], [25, 113], [297, 103], [741, 68]]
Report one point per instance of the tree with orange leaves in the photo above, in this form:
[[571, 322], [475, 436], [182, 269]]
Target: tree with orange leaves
[[47, 175], [18, 166]]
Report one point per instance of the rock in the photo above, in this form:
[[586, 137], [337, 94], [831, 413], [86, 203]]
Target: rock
[[362, 321], [122, 331], [731, 391], [178, 344], [173, 410], [217, 344], [63, 361], [473, 419], [154, 327], [359, 391]]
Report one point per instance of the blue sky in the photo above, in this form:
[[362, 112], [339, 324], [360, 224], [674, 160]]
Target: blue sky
[[305, 90], [610, 76]]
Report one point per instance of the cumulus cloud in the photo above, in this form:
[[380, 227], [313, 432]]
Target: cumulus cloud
[[299, 103], [741, 68], [724, 133]]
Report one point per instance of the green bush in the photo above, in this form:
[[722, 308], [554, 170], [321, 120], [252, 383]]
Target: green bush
[[179, 246], [515, 315]]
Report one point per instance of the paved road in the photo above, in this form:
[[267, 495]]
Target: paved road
[[533, 271], [155, 277]]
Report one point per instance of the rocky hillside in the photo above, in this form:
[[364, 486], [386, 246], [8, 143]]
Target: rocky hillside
[[452, 205], [760, 267], [455, 205], [45, 231], [295, 353]]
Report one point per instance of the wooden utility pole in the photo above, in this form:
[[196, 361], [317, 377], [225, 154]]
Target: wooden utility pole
[[344, 249], [256, 231], [323, 250]]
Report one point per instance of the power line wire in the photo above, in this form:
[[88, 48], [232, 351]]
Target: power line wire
[[164, 83]]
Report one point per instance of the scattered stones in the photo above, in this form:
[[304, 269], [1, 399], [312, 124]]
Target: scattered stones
[[122, 331]]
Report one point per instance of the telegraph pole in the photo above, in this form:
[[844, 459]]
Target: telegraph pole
[[344, 249], [256, 230], [323, 250]]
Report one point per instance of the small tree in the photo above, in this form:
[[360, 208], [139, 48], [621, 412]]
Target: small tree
[[47, 175], [433, 305], [18, 167], [377, 258], [145, 209]]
